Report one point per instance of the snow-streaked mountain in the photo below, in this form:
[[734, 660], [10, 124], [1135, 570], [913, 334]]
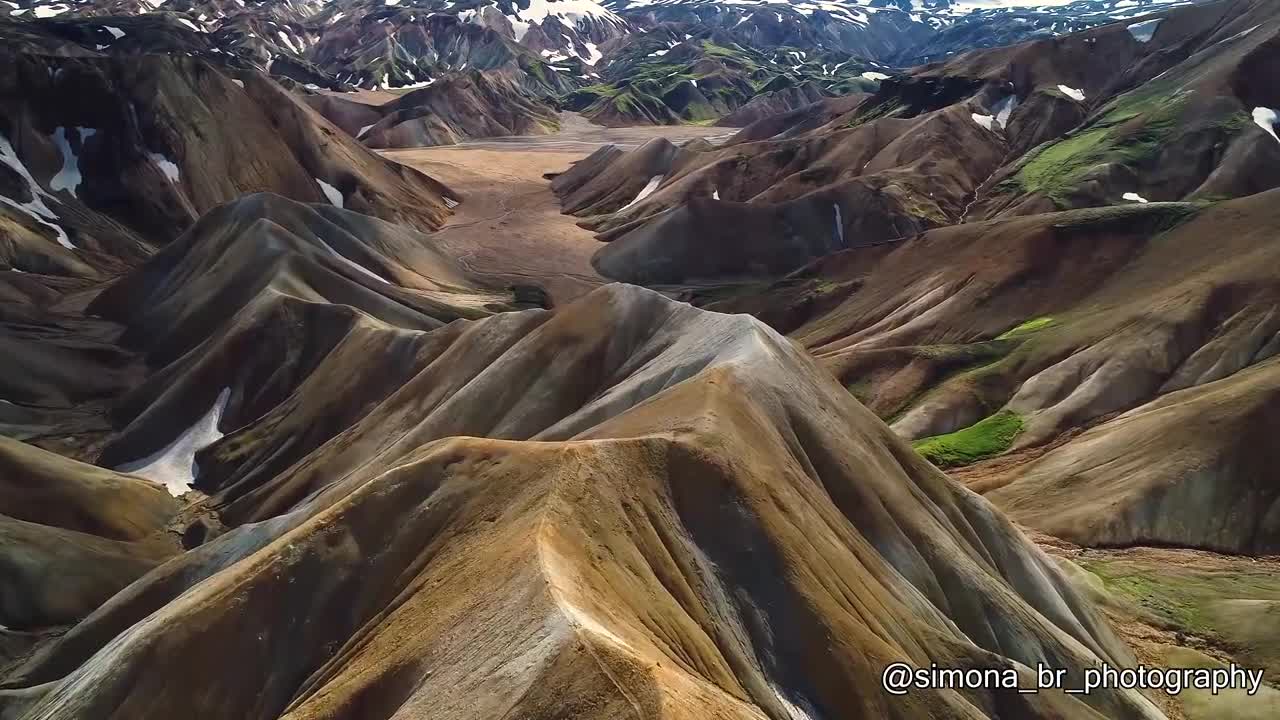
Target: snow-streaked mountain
[[553, 46], [895, 31], [379, 43]]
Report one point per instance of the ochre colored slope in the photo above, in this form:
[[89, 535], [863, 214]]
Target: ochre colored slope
[[676, 514]]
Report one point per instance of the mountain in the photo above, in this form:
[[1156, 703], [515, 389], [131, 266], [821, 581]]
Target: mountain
[[967, 366], [895, 32], [661, 78], [592, 53], [596, 526], [1079, 287], [1161, 110], [375, 44], [109, 156], [464, 106]]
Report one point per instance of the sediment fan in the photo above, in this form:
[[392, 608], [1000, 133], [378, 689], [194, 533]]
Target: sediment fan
[[625, 507]]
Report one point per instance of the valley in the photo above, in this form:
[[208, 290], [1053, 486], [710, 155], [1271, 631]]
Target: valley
[[509, 226]]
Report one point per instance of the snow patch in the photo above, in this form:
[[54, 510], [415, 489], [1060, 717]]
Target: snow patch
[[116, 32], [839, 225], [288, 42], [568, 12], [1074, 94], [331, 192], [417, 85], [189, 24], [353, 264], [715, 195], [174, 465], [793, 711], [1144, 31], [48, 11], [654, 182], [1135, 197], [167, 166], [1004, 110], [238, 82], [34, 207], [364, 130], [871, 75], [1266, 119], [985, 121], [68, 178], [1239, 35]]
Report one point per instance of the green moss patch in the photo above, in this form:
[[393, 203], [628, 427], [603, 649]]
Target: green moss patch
[[984, 439], [1184, 599], [1131, 131], [1029, 326]]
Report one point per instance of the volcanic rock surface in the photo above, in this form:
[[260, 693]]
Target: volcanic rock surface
[[101, 158], [1112, 116], [282, 440], [1126, 320], [1013, 247], [573, 532]]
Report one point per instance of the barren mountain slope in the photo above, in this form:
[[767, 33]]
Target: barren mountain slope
[[570, 511], [1010, 333], [463, 107], [102, 159], [1169, 109]]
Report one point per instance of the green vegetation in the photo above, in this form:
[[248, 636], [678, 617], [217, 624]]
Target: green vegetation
[[1029, 326], [987, 438], [720, 51], [1234, 123], [600, 89], [1130, 131], [889, 108], [539, 71], [1184, 599], [652, 86], [1220, 604], [978, 365]]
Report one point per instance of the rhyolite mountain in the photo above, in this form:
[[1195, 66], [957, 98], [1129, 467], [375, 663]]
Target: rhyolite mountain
[[375, 44], [106, 157], [553, 47], [895, 32], [273, 450], [392, 476], [1058, 253], [459, 107], [598, 532]]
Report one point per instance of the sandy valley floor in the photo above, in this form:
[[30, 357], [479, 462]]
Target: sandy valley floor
[[509, 224]]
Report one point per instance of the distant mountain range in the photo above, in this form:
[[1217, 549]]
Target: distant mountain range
[[554, 46]]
